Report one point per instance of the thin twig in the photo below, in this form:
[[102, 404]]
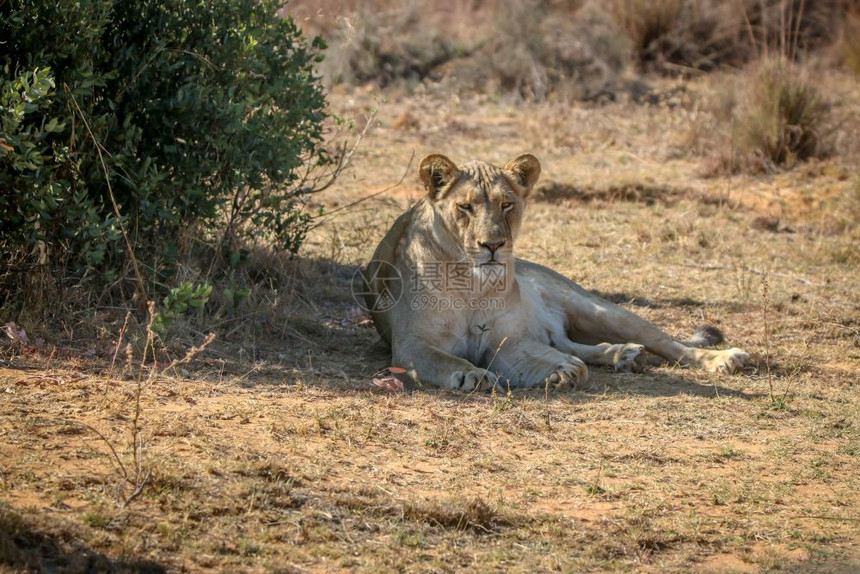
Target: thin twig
[[191, 353], [140, 283], [99, 435], [371, 196], [119, 342], [796, 38], [138, 488], [490, 364], [765, 309]]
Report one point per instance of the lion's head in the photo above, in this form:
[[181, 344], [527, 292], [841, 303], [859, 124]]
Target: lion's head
[[480, 205]]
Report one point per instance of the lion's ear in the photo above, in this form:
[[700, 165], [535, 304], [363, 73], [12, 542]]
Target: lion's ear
[[526, 171], [437, 173]]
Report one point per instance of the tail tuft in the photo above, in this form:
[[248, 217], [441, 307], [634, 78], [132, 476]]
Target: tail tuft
[[705, 336]]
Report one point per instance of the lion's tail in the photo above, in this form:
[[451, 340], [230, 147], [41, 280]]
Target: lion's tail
[[705, 336]]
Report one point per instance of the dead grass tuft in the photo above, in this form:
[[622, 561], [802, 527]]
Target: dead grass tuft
[[534, 52], [387, 46], [679, 35], [465, 514], [518, 50], [648, 25], [776, 116], [456, 514], [782, 116]]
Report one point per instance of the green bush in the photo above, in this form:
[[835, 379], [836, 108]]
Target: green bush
[[179, 301], [160, 117]]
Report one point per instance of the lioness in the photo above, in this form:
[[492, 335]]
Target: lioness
[[459, 311]]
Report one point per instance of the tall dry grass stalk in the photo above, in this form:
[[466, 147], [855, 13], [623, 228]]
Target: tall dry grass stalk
[[851, 40], [766, 321], [780, 116]]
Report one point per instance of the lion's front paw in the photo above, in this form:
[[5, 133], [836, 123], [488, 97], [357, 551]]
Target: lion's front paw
[[474, 379], [727, 361], [570, 373], [627, 357]]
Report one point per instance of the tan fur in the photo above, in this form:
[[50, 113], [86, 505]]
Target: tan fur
[[516, 322]]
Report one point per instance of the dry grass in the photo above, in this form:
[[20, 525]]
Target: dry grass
[[386, 48], [526, 49], [779, 117], [674, 35], [272, 451], [577, 49], [851, 40], [648, 25]]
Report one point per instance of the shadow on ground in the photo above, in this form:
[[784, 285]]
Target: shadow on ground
[[42, 544], [336, 347]]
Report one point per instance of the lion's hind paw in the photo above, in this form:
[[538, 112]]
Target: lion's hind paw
[[570, 373], [628, 357], [727, 361]]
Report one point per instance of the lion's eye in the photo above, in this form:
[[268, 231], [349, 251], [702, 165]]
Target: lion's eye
[[465, 207], [507, 206]]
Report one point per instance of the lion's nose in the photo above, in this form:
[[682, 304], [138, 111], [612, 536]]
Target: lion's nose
[[493, 246]]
